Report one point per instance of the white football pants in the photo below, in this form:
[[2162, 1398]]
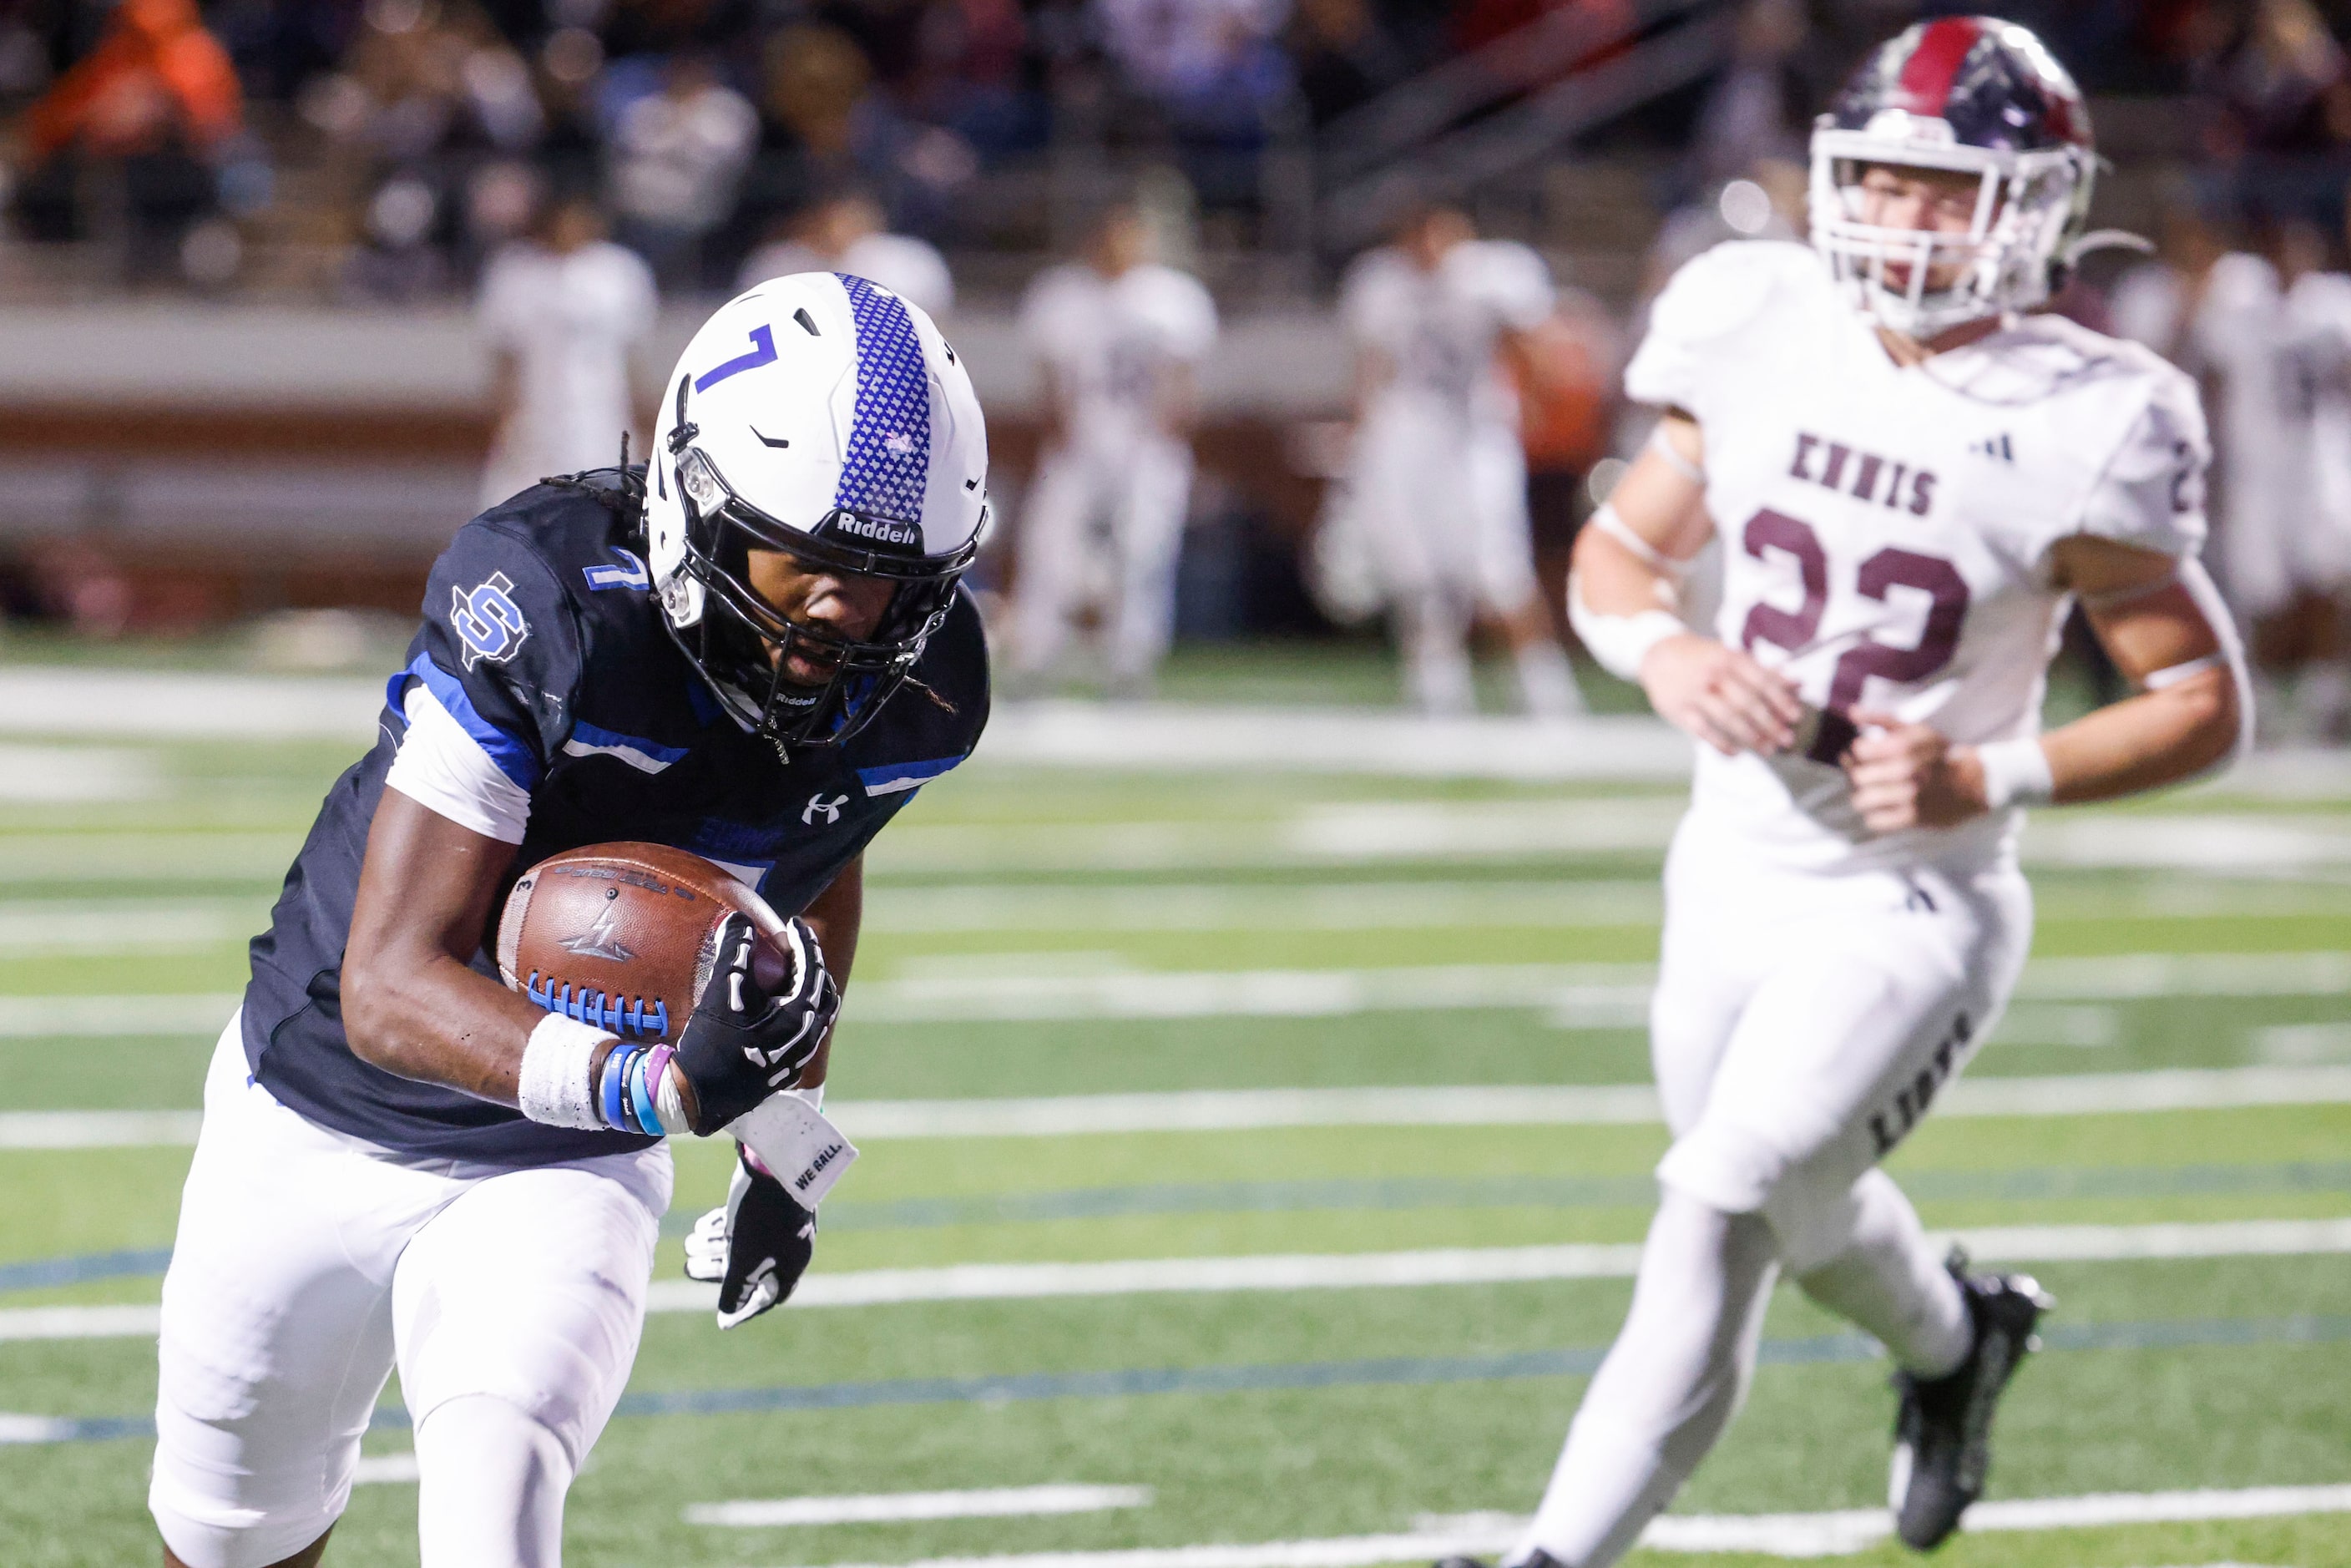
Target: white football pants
[[1442, 503], [1144, 490], [1802, 1027], [307, 1263]]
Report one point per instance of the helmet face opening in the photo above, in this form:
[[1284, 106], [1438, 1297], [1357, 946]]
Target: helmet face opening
[[1969, 96], [796, 682]]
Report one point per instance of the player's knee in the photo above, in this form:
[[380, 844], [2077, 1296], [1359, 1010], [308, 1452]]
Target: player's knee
[[491, 1484], [1729, 1168]]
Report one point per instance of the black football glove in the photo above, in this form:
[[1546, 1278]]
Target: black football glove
[[745, 1042], [756, 1246]]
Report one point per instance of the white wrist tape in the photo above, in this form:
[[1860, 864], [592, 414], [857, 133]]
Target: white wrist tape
[[2016, 773], [668, 1103], [554, 1087], [1663, 446], [1619, 641]]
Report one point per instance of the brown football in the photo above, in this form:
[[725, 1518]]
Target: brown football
[[623, 936]]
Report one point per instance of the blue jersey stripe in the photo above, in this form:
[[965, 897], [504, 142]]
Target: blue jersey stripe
[[897, 776], [887, 468], [513, 758]]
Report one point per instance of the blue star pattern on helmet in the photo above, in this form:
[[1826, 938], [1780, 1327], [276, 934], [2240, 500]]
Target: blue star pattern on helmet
[[888, 465]]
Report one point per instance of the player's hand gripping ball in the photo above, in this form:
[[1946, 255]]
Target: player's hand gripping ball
[[751, 1037], [625, 937], [656, 943]]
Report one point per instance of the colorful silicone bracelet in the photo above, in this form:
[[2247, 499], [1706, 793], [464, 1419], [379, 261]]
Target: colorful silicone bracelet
[[640, 1101]]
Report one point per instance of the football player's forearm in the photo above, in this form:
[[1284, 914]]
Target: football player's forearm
[[836, 915], [430, 1017], [2147, 741]]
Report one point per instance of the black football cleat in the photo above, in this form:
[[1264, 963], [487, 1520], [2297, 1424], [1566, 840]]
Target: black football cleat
[[1942, 1437]]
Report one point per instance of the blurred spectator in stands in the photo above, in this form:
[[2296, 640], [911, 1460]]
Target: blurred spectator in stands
[[823, 124], [1345, 56], [968, 76], [395, 262], [1564, 373], [155, 113], [842, 232], [1216, 71], [2275, 109], [1755, 106], [563, 314], [423, 76], [675, 157]]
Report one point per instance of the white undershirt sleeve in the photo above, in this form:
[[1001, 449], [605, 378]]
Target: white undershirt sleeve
[[443, 768]]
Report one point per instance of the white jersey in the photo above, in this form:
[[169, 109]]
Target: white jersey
[[570, 322], [1107, 340], [1886, 531], [911, 268], [1438, 329]]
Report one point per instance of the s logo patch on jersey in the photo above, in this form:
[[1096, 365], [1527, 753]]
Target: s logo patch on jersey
[[487, 620]]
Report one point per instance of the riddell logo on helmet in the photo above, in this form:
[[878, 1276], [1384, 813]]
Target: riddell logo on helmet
[[879, 529]]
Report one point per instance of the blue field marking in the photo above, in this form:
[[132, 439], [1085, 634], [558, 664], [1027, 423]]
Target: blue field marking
[[1570, 1361], [45, 1273]]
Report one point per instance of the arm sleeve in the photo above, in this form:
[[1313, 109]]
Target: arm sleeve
[[441, 766], [2152, 492], [1191, 318], [499, 656]]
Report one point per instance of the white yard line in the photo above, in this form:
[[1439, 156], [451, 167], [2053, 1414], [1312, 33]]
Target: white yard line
[[385, 1469], [1341, 1270], [893, 1508], [1241, 1109], [1481, 1265], [1580, 995], [1838, 1533]]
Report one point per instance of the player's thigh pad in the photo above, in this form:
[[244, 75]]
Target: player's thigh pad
[[1709, 962], [1865, 1011], [276, 1324], [530, 1287]]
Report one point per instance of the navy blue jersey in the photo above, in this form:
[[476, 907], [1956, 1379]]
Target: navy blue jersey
[[543, 639]]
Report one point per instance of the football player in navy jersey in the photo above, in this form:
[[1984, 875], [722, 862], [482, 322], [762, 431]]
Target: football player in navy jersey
[[755, 648]]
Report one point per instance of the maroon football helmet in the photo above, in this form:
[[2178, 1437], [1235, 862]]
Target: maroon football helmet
[[1979, 95]]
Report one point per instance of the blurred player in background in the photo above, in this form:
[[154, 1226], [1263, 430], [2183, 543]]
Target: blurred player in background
[[563, 312], [1119, 339], [1911, 480], [1437, 482], [843, 232], [403, 1161]]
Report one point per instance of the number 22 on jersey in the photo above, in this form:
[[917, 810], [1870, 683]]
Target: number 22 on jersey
[[1770, 531]]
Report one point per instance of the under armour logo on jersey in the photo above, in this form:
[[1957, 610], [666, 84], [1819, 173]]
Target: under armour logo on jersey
[[819, 806], [487, 620], [629, 573], [1994, 447]]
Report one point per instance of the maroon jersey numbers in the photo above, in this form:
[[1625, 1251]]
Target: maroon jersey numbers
[[1890, 568]]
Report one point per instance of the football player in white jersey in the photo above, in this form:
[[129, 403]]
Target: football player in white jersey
[[1911, 481], [1437, 481], [1119, 337]]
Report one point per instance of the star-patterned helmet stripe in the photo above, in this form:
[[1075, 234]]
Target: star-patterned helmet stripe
[[887, 468]]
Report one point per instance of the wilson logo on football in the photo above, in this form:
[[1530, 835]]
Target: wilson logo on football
[[602, 940]]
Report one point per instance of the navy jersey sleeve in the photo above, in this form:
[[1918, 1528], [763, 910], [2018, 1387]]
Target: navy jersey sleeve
[[499, 650]]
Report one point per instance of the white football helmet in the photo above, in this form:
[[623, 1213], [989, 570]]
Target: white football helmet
[[823, 416], [1975, 95]]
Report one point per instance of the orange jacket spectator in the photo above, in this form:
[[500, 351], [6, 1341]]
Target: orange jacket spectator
[[156, 71]]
